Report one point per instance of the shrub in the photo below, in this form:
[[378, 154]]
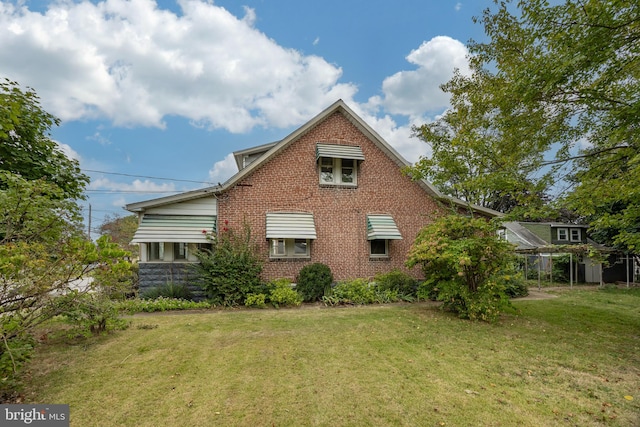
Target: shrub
[[428, 290], [90, 313], [514, 285], [168, 290], [463, 258], [398, 281], [281, 293], [313, 280], [159, 304], [256, 300], [357, 291], [231, 269]]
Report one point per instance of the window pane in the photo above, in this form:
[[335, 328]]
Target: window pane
[[179, 251], [277, 247], [300, 247], [378, 247], [562, 234], [347, 171], [326, 169], [155, 251], [575, 234], [326, 174], [347, 175]]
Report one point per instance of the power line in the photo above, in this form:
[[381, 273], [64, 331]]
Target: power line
[[148, 177], [132, 191]]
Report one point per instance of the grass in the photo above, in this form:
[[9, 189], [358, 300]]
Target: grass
[[572, 360]]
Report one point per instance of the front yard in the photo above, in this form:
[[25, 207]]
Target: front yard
[[571, 360]]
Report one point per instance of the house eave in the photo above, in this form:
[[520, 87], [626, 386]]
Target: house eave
[[176, 198]]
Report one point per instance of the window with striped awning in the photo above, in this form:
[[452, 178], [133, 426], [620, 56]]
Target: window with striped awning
[[175, 228], [336, 151], [382, 227], [290, 225]]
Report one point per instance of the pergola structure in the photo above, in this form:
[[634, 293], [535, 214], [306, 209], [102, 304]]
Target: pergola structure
[[596, 252]]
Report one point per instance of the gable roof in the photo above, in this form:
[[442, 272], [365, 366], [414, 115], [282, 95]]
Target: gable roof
[[275, 148]]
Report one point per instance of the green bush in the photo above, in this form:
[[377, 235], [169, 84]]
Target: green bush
[[231, 269], [281, 293], [256, 300], [168, 290], [313, 280], [514, 285], [462, 260], [485, 303], [398, 281], [357, 291], [428, 290], [159, 304], [90, 313]]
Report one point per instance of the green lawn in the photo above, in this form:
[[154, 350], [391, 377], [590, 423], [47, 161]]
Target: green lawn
[[572, 360]]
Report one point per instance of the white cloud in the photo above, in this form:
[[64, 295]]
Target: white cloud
[[68, 151], [417, 92], [135, 186], [130, 62], [223, 170], [458, 6]]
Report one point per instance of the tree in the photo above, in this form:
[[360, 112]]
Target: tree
[[473, 158], [26, 147], [468, 264], [44, 255], [555, 80], [121, 229]]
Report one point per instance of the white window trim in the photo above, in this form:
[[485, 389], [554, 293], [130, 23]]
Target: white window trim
[[337, 172], [386, 249], [579, 238], [566, 234], [289, 249]]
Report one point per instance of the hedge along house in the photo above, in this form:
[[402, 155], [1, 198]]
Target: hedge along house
[[333, 191]]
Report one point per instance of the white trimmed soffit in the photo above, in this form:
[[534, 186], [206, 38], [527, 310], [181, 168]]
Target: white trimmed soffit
[[176, 198]]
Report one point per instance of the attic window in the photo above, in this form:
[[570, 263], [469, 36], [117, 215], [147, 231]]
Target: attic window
[[338, 164]]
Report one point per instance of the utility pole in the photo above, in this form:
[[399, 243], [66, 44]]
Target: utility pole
[[89, 222]]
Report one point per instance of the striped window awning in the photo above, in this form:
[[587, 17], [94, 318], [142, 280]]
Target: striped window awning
[[339, 151], [175, 228], [382, 227], [290, 225]]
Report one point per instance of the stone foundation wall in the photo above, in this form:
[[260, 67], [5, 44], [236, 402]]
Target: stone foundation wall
[[152, 275]]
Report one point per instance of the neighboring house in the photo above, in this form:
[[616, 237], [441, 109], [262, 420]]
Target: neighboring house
[[333, 191], [540, 242]]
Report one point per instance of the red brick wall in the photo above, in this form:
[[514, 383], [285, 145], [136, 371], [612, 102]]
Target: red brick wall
[[290, 182]]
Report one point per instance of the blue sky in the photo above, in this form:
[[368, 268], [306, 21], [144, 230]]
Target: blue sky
[[149, 90]]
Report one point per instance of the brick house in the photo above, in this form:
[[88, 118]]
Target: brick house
[[333, 191]]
